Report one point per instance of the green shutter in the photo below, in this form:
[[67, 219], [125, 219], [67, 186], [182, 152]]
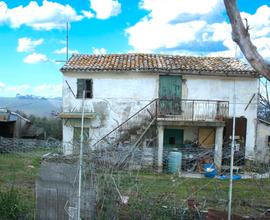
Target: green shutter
[[170, 93], [170, 87]]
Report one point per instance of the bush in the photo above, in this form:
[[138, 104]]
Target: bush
[[11, 205], [52, 126]]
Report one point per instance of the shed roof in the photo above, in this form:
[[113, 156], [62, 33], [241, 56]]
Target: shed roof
[[158, 63]]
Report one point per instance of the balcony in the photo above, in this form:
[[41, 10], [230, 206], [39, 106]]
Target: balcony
[[192, 110]]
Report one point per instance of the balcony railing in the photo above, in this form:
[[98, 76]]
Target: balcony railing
[[193, 110]]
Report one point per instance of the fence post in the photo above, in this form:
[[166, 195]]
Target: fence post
[[218, 110], [193, 110], [156, 108]]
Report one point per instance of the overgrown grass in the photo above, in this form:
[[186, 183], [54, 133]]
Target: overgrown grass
[[18, 172], [151, 195], [12, 205]]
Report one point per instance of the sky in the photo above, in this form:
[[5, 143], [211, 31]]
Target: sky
[[33, 34]]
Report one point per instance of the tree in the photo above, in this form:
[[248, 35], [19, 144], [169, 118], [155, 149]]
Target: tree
[[240, 35]]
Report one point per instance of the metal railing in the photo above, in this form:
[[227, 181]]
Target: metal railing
[[180, 109], [193, 110]]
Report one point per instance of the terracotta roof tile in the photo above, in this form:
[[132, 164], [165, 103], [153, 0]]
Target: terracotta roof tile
[[158, 63]]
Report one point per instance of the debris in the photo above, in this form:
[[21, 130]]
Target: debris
[[124, 199], [225, 177]]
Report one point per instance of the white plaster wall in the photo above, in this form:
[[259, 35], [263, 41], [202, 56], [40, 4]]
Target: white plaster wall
[[221, 88], [262, 150], [190, 134], [116, 96], [122, 86], [67, 139]]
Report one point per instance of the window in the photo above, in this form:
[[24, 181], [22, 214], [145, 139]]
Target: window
[[77, 139], [172, 140], [87, 85], [77, 134]]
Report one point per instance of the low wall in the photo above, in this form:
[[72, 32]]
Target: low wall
[[8, 145]]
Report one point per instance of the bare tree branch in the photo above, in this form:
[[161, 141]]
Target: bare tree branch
[[240, 34]]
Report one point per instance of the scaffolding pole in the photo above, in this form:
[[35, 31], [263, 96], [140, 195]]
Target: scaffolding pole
[[232, 156], [81, 161]]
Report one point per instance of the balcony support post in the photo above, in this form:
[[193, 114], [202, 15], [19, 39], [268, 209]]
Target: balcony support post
[[160, 147], [218, 147]]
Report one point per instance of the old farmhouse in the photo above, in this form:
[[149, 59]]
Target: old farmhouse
[[187, 101]]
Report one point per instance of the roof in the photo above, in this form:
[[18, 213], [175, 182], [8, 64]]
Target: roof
[[158, 63], [7, 115]]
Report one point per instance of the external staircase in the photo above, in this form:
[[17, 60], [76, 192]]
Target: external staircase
[[130, 141]]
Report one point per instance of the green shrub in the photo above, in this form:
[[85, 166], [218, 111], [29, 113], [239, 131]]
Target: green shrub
[[11, 205]]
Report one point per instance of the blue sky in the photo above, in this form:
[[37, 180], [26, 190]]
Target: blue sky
[[32, 34]]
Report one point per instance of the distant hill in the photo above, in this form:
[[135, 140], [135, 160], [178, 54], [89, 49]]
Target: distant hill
[[32, 105]]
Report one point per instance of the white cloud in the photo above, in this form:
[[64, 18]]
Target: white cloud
[[18, 88], [8, 90], [35, 58], [259, 32], [64, 51], [49, 15], [26, 44], [48, 90], [196, 26], [44, 90], [2, 85], [88, 14], [166, 11], [259, 24], [99, 51], [169, 23], [105, 8], [148, 35]]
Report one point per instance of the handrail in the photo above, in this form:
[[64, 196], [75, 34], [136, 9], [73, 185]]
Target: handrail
[[125, 121]]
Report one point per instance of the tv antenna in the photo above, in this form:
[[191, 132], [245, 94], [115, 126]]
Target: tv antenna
[[67, 45], [67, 27]]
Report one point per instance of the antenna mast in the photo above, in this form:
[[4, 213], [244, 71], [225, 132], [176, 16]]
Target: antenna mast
[[67, 26]]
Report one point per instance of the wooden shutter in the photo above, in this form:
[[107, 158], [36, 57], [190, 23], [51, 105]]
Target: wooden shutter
[[80, 87]]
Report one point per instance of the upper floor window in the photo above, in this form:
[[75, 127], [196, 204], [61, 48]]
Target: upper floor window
[[87, 85]]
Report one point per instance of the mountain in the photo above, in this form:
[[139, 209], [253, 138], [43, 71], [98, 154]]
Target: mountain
[[32, 105]]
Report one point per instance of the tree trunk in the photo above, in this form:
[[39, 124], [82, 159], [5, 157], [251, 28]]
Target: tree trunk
[[240, 34]]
